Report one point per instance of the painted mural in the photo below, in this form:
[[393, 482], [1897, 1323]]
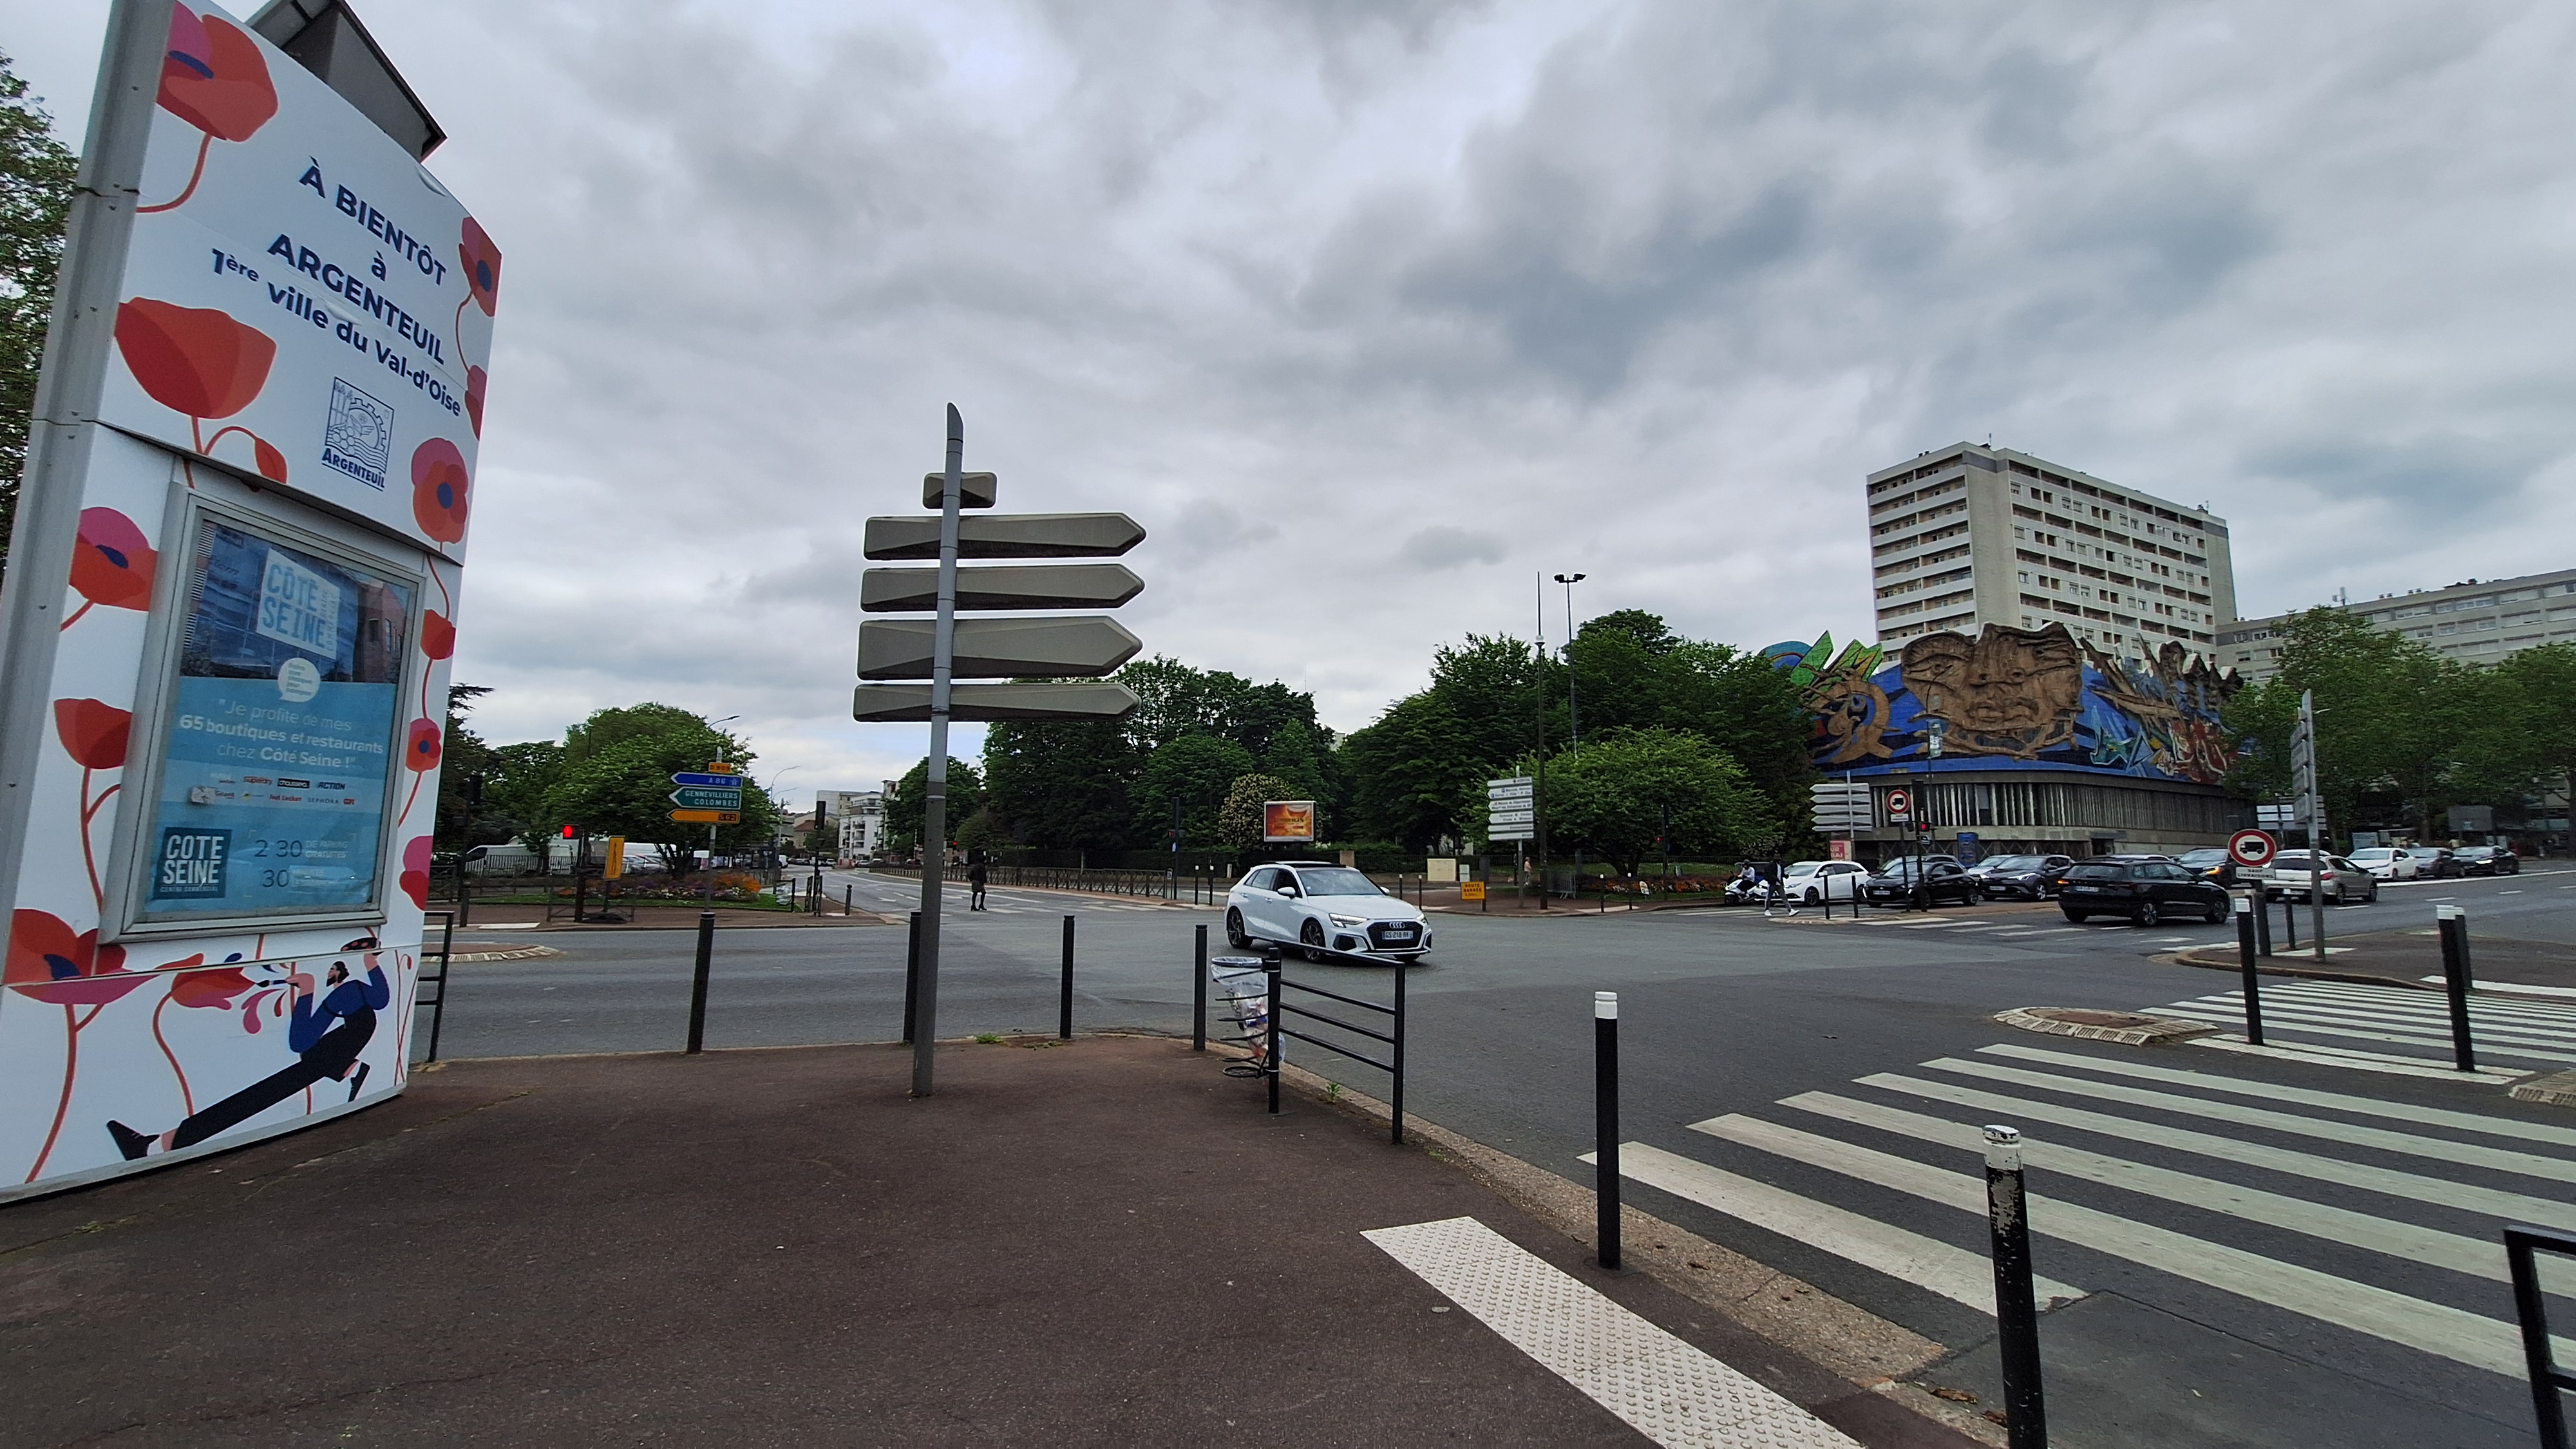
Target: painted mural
[[2011, 698]]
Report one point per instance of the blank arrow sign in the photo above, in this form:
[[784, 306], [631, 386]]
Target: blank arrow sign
[[903, 703], [1035, 586], [997, 648], [1008, 535]]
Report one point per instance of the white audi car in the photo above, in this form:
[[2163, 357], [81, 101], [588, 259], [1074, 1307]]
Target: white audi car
[[1323, 909]]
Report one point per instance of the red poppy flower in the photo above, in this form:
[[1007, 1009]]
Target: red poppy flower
[[194, 360], [438, 490], [482, 263], [219, 987], [475, 378], [415, 875], [437, 635], [49, 963], [422, 752], [112, 563], [93, 732], [213, 77]]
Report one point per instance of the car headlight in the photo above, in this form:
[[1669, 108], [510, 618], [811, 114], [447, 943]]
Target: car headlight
[[1350, 920]]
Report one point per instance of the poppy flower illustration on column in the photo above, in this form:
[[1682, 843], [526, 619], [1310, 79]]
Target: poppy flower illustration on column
[[202, 362], [475, 378], [214, 78], [51, 963], [112, 564], [420, 756], [480, 261], [415, 872], [439, 485], [93, 732], [437, 634]]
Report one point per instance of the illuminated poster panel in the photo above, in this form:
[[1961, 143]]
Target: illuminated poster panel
[[281, 731]]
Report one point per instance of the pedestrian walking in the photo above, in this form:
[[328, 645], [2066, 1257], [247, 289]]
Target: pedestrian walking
[[975, 886]]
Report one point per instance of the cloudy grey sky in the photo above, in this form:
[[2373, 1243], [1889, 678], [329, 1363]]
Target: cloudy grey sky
[[1372, 311]]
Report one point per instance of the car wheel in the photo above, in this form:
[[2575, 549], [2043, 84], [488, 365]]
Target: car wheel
[[1812, 896], [1234, 935], [2079, 917], [2146, 915], [1311, 937], [2217, 914]]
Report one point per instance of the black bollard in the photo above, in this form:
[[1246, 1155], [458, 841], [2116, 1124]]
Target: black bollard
[[2245, 917], [1605, 1125], [2289, 924], [1064, 1000], [1270, 1023], [911, 977], [2262, 922], [1198, 994], [2016, 1311], [2453, 923], [698, 985]]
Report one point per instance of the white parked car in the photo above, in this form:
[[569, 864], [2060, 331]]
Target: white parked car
[[2388, 864], [1811, 882], [1322, 910], [2344, 881]]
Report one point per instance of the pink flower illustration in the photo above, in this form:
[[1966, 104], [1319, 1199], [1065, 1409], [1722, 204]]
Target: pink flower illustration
[[422, 752], [439, 489], [214, 78], [112, 563], [415, 874]]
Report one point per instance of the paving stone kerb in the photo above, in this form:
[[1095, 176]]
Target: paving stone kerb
[[1108, 1242]]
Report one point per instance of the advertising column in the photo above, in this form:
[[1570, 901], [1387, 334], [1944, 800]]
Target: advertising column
[[229, 611]]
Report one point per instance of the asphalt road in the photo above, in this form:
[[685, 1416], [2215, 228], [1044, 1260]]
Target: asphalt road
[[1724, 1017]]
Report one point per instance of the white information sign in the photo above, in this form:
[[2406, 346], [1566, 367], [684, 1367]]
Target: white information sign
[[302, 301]]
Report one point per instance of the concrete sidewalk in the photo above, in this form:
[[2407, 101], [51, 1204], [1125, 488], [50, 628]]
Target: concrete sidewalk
[[1106, 1242]]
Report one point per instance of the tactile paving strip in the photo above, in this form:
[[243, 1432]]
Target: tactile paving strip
[[1671, 1392]]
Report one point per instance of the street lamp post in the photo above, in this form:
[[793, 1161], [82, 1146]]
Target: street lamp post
[[1573, 723]]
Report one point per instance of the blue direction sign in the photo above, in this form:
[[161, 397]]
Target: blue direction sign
[[712, 782], [690, 797]]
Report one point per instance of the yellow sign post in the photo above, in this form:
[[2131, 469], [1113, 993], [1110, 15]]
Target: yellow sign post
[[1472, 890], [615, 869]]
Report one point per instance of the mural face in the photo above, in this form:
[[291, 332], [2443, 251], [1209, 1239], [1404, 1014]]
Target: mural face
[[2012, 692], [2013, 698]]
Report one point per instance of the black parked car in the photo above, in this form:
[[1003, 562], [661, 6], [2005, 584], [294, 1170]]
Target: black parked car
[[2145, 891], [1938, 876], [2026, 877], [2487, 860]]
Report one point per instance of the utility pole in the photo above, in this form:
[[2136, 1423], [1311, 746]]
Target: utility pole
[[1538, 668], [2303, 772]]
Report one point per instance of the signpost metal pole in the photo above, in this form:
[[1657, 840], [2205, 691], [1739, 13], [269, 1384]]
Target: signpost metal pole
[[1064, 1002], [2245, 918], [2313, 802], [698, 982], [1605, 1125], [934, 795], [1198, 993]]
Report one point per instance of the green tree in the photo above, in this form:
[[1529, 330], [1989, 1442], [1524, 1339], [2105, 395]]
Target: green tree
[[1193, 772], [1416, 775], [615, 779], [2520, 738], [465, 757], [1611, 798], [2391, 714], [36, 176], [1239, 822], [515, 792], [910, 802], [1062, 784]]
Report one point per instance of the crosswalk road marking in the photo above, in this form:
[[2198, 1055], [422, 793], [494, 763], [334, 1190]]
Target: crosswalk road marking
[[2098, 1176], [2398, 1024]]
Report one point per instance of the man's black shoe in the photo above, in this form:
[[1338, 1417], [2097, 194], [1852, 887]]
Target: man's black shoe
[[128, 1141]]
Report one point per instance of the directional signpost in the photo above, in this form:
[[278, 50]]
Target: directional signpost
[[933, 653], [711, 797], [1511, 813]]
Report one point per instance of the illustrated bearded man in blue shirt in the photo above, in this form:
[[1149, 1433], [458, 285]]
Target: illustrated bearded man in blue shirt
[[327, 1036]]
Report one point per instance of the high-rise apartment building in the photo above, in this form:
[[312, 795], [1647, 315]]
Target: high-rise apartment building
[[2475, 623], [1966, 536]]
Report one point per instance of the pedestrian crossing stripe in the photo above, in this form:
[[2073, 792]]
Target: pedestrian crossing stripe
[[2332, 1121], [2530, 1034]]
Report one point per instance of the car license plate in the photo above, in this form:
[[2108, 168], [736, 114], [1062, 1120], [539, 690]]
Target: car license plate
[[1397, 933]]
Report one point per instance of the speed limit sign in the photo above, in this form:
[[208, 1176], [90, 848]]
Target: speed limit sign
[[2252, 848], [1900, 805]]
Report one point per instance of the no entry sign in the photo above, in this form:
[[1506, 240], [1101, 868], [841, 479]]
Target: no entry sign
[[2252, 847]]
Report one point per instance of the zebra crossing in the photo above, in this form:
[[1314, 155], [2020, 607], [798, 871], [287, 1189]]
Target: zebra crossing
[[2378, 1216], [2352, 1024]]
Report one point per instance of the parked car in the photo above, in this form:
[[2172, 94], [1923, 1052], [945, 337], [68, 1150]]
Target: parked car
[[2388, 862], [2436, 861], [1938, 876], [2024, 877], [1321, 909], [1811, 882], [2342, 882], [2487, 860], [2210, 863], [2145, 891]]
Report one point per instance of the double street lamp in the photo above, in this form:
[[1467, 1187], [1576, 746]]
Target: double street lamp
[[1573, 723]]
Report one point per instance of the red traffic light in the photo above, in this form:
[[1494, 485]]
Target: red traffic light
[[567, 832]]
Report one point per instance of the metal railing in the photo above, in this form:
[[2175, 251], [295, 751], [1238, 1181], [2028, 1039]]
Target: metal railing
[[2548, 1377], [1393, 1038], [446, 954]]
